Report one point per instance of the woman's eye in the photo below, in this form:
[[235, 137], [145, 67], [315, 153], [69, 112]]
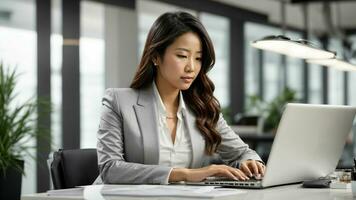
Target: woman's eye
[[182, 56], [198, 59]]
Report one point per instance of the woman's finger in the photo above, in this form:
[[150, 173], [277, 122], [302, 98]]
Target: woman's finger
[[245, 169], [240, 174], [252, 165], [261, 168], [228, 173], [231, 172]]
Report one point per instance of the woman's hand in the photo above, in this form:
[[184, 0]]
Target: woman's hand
[[252, 167], [197, 175]]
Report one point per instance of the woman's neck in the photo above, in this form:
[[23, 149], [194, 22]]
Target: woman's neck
[[169, 96]]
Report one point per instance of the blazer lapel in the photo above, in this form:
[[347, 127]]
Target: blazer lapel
[[147, 120], [197, 140]]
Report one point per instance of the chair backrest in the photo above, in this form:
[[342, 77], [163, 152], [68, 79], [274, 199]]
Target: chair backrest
[[71, 168]]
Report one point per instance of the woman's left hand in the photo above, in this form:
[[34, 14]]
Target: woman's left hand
[[252, 167]]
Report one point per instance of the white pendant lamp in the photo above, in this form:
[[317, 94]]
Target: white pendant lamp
[[294, 48], [334, 63]]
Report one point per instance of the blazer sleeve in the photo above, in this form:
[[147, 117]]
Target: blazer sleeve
[[110, 149], [232, 149]]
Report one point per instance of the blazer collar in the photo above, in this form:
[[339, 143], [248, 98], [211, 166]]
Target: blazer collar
[[145, 96], [146, 114]]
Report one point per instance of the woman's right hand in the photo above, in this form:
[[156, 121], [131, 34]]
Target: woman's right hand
[[197, 175]]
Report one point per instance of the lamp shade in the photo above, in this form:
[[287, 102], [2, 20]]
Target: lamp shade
[[294, 48], [334, 63]]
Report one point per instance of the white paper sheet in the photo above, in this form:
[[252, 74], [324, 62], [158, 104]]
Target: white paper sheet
[[169, 191], [66, 192]]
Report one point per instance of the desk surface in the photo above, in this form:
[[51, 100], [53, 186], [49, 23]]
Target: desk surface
[[290, 192]]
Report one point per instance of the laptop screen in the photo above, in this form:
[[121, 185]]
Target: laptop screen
[[308, 143]]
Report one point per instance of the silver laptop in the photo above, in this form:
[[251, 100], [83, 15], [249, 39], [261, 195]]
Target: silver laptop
[[308, 144]]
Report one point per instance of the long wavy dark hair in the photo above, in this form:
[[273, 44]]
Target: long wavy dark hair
[[199, 97]]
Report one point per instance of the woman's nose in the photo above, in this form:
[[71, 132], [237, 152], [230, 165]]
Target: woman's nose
[[190, 66]]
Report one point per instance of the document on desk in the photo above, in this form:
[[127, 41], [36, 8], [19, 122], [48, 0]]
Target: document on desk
[[170, 191], [78, 191]]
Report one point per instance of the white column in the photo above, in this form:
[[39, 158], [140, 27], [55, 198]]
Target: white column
[[121, 46]]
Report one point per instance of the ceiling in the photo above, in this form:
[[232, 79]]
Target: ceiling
[[22, 13], [343, 12]]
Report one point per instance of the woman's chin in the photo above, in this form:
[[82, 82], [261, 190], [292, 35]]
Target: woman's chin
[[185, 86]]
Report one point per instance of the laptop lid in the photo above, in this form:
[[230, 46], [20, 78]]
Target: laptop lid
[[308, 143]]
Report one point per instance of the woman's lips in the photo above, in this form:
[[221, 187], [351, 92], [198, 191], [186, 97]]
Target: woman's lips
[[187, 79]]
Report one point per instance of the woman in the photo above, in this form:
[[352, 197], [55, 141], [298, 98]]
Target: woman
[[168, 125]]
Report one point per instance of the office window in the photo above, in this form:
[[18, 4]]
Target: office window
[[294, 67], [92, 82], [251, 70], [272, 77], [145, 21], [269, 61], [352, 93], [336, 96], [315, 79], [336, 91], [56, 73], [91, 52], [251, 59], [352, 78], [218, 28], [18, 49], [56, 89], [336, 77], [315, 84]]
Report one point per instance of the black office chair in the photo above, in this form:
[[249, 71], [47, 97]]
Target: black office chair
[[71, 168]]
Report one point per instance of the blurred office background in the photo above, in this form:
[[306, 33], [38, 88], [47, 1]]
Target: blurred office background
[[71, 50]]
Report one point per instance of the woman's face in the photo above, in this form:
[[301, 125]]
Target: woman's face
[[181, 62]]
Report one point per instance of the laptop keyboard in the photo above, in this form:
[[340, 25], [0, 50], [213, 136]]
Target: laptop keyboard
[[214, 178], [223, 181]]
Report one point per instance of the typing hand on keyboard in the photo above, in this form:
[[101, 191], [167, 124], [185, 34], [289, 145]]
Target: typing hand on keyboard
[[200, 174], [252, 168], [220, 178]]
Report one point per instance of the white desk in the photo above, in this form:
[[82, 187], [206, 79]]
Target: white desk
[[288, 192]]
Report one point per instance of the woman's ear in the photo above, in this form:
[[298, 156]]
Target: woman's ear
[[156, 60]]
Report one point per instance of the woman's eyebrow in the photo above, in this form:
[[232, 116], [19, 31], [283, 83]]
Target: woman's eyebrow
[[187, 50]]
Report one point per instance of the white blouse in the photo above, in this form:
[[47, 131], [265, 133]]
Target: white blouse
[[179, 153]]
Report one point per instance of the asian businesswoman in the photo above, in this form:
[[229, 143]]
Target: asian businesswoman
[[166, 127]]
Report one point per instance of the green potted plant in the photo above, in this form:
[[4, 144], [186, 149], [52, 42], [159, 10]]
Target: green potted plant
[[17, 127], [271, 112]]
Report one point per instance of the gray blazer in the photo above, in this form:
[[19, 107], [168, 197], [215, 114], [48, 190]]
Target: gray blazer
[[128, 143]]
